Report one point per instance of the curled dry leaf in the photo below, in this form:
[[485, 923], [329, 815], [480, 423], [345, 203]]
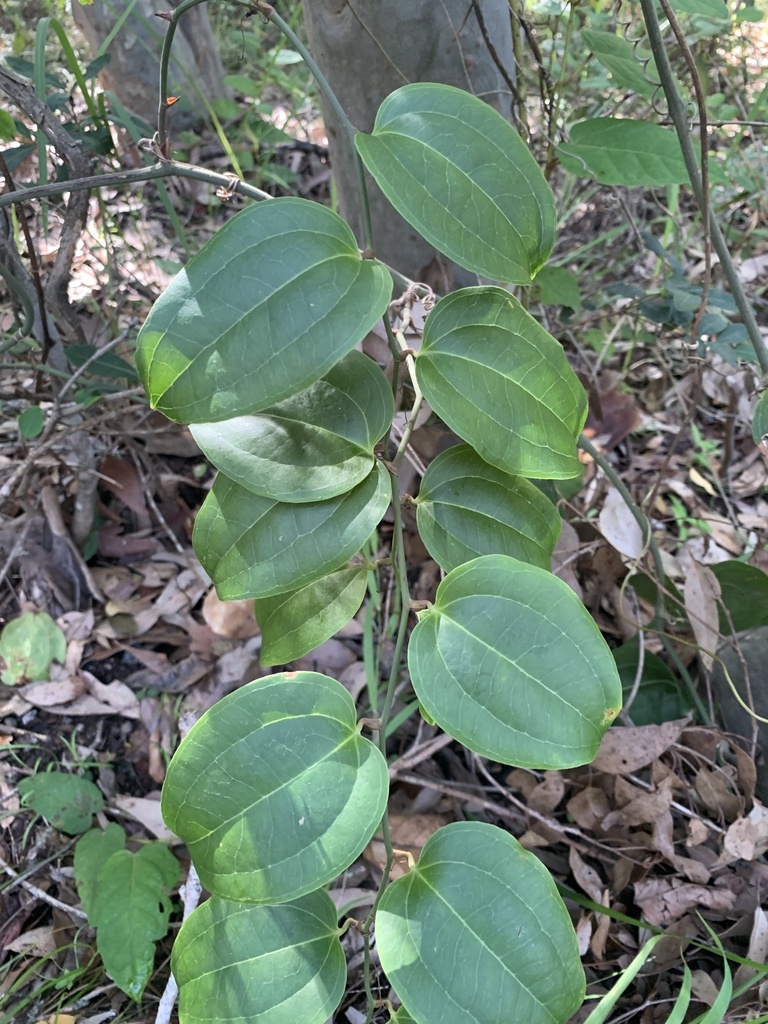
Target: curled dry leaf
[[589, 807], [233, 619], [147, 812], [626, 749], [664, 900], [716, 795], [409, 833], [746, 838], [588, 879], [545, 796]]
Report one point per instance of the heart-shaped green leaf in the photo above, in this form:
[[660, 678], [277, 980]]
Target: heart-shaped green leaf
[[509, 662], [461, 174], [497, 378], [274, 790], [312, 446], [256, 547], [92, 852], [270, 303], [467, 508], [236, 964], [294, 623], [477, 926]]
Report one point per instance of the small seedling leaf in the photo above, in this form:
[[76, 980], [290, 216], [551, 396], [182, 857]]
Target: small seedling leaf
[[468, 508], [294, 623], [509, 662], [130, 910], [236, 963], [29, 645], [31, 421], [269, 305], [68, 802], [480, 892], [257, 547], [456, 170], [497, 378], [760, 418], [312, 446], [283, 749]]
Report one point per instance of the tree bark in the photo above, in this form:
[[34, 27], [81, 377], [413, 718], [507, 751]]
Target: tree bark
[[133, 74], [369, 48]]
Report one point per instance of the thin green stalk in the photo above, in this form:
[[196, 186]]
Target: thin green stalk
[[349, 129], [679, 118]]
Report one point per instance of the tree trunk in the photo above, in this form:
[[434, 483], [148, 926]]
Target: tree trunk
[[133, 74], [369, 48]]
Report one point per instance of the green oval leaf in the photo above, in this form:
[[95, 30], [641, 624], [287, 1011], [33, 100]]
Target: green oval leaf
[[497, 378], [270, 303], [477, 891], [236, 964], [463, 177], [29, 645], [296, 622], [622, 151], [627, 63], [312, 446], [68, 802], [256, 547], [509, 662], [92, 852], [467, 508], [274, 790]]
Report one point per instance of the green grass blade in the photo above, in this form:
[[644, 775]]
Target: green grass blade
[[603, 1009], [680, 1008], [75, 68]]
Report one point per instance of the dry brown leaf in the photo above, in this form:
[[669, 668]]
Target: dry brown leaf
[[703, 987], [35, 942], [565, 556], [408, 833], [697, 832], [746, 772], [625, 749], [663, 841], [701, 591], [584, 933], [59, 691], [587, 878], [332, 657], [644, 809], [747, 838], [589, 807], [147, 812], [532, 839], [97, 698], [545, 796], [121, 477], [9, 796], [65, 1018], [758, 947], [600, 936], [717, 797], [233, 619], [664, 900], [619, 526]]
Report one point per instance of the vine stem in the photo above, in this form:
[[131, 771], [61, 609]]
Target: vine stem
[[679, 117], [349, 129], [645, 528], [164, 169]]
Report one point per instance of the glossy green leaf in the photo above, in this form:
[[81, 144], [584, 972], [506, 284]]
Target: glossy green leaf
[[628, 64], [497, 378], [130, 911], [237, 963], [461, 174], [8, 129], [256, 547], [467, 508], [760, 418], [270, 304], [401, 1016], [509, 662], [274, 790], [558, 286], [296, 622], [659, 697], [312, 446], [476, 932], [622, 151], [92, 852], [31, 421], [68, 802]]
